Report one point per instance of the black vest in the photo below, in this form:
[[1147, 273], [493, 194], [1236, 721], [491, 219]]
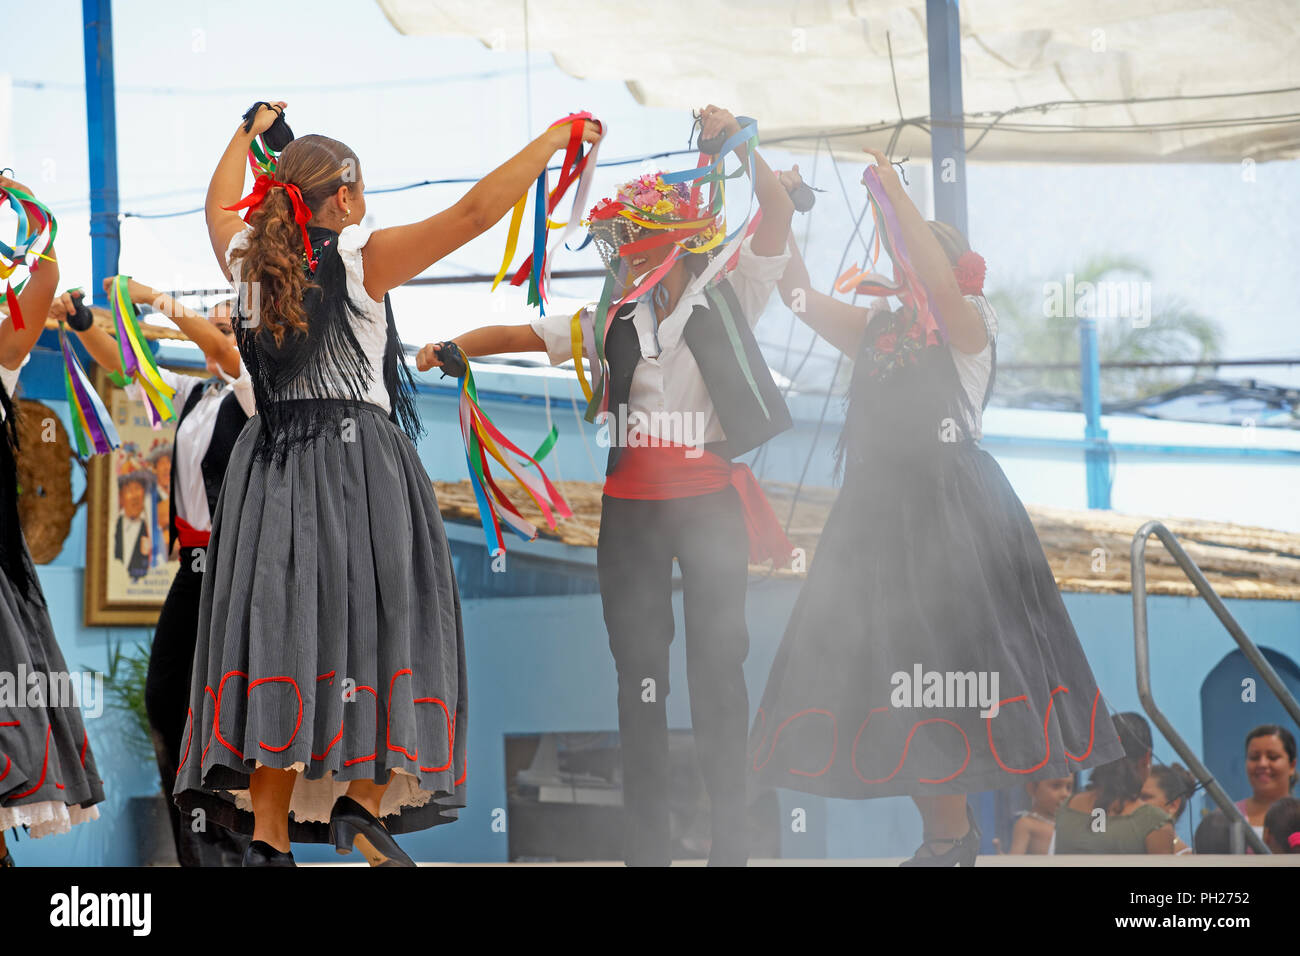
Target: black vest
[[749, 405], [225, 432]]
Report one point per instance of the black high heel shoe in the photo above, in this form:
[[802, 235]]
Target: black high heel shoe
[[7, 860], [961, 852], [351, 824], [260, 853]]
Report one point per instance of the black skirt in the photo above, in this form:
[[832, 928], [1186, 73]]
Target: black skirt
[[940, 574], [929, 651]]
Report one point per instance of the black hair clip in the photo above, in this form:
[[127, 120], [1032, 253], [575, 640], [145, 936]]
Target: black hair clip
[[278, 135], [81, 318], [452, 359]]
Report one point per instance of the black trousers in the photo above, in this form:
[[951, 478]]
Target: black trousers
[[167, 698], [638, 541]]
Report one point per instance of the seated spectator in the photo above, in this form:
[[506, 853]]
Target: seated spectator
[[1035, 830], [1110, 817], [1282, 826], [1271, 770], [1169, 788]]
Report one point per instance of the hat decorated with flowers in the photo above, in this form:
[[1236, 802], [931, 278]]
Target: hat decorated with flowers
[[646, 213]]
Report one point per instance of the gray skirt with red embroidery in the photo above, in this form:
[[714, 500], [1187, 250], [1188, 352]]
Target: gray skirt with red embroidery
[[928, 600], [48, 779], [330, 638]]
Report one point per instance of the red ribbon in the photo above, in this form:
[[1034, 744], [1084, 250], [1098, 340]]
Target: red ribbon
[[15, 313], [301, 214]]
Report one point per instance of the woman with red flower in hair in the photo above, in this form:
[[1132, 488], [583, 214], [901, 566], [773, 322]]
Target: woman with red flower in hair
[[929, 653]]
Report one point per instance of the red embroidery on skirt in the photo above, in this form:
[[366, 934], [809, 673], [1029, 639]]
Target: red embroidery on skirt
[[762, 740], [44, 764], [189, 738], [451, 733], [396, 748], [388, 721], [853, 754], [297, 726], [375, 694]]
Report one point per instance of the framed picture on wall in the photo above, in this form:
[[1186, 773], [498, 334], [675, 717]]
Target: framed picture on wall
[[129, 564]]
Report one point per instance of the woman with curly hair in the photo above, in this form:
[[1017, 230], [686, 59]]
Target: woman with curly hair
[[328, 700]]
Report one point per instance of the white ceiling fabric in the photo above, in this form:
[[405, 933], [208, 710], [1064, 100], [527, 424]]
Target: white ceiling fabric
[[823, 65]]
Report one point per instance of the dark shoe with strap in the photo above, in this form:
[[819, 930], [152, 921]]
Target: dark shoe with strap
[[949, 851], [260, 853], [7, 860], [352, 825]]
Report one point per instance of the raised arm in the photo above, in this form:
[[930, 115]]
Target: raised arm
[[778, 209], [965, 327], [216, 346], [33, 302], [227, 185], [395, 255], [837, 322]]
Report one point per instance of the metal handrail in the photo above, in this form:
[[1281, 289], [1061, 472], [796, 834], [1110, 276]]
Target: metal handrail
[[1142, 652]]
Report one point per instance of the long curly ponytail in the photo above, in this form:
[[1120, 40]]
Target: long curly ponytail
[[274, 256]]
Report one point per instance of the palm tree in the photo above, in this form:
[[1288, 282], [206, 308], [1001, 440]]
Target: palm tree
[[1147, 331]]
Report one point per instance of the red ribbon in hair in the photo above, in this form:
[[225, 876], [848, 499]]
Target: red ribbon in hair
[[970, 273], [301, 214]]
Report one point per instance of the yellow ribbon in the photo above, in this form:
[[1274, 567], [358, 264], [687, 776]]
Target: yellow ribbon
[[512, 239], [575, 339]]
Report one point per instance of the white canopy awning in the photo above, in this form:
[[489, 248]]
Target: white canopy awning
[[1123, 80]]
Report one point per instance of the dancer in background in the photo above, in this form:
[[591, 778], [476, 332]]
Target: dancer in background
[[48, 780], [664, 499], [211, 414], [927, 565], [329, 678]]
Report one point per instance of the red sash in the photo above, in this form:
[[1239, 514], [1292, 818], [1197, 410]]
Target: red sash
[[189, 537], [664, 471]]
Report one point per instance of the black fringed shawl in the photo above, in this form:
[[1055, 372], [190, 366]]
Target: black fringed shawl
[[13, 558], [327, 362]]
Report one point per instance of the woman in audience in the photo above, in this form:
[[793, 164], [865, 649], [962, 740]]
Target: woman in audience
[[1110, 816]]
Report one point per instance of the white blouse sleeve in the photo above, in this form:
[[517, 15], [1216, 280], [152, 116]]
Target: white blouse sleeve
[[242, 386], [754, 278], [556, 330], [352, 241], [237, 241], [9, 377]]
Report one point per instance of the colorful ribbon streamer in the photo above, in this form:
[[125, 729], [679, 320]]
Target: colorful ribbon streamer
[[35, 221], [578, 167], [92, 425], [484, 440], [137, 358], [906, 285]]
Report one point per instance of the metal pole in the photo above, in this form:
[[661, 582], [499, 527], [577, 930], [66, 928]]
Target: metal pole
[[1097, 456], [947, 135], [1142, 660], [101, 136]]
